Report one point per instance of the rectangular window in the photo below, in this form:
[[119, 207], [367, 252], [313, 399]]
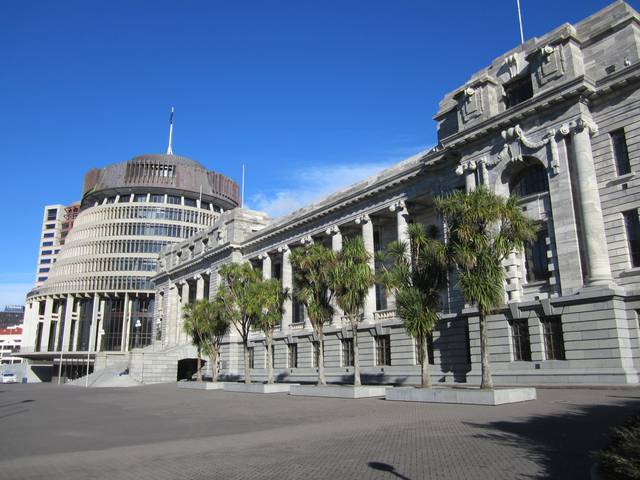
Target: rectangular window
[[42, 279], [52, 214], [45, 261], [43, 270], [50, 225], [521, 342], [49, 235], [536, 257], [293, 355], [383, 350], [140, 197], [252, 358], [620, 152], [47, 244], [174, 199], [189, 202], [553, 338], [347, 352], [46, 252], [632, 227], [156, 198], [298, 311], [518, 90], [204, 205]]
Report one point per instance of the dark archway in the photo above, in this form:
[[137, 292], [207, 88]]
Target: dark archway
[[187, 367]]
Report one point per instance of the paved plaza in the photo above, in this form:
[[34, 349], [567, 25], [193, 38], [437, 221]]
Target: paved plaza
[[162, 432]]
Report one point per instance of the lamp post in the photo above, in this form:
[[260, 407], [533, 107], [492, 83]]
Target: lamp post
[[137, 326]]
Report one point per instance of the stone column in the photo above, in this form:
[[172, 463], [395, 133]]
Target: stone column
[[367, 237], [199, 287], [173, 315], [93, 329], [287, 283], [336, 246], [68, 313], [126, 314], [46, 327], [598, 267], [184, 300], [266, 265]]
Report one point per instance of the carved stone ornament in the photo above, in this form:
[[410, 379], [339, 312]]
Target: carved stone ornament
[[398, 206], [283, 248], [332, 230], [362, 219], [306, 240], [512, 64], [517, 145]]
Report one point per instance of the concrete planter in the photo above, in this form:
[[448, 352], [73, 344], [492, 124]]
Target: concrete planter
[[201, 385], [257, 387], [461, 395], [339, 391]]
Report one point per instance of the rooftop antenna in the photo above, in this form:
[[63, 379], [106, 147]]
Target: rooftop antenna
[[242, 196], [169, 149], [520, 23]]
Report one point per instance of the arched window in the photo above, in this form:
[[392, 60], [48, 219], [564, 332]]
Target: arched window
[[529, 180]]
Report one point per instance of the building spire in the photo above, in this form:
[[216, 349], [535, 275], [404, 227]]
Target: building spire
[[169, 148]]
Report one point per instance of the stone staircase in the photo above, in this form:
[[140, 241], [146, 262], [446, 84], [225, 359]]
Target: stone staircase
[[110, 376], [150, 365]]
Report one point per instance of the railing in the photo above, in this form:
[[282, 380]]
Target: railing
[[382, 315], [297, 326]]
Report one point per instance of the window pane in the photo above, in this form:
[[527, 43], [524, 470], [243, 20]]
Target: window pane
[[536, 257], [553, 338], [620, 152], [632, 226], [521, 343]]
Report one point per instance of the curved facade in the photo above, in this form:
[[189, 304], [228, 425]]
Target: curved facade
[[99, 294]]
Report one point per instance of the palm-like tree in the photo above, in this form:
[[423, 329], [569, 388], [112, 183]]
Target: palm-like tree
[[236, 294], [350, 281], [193, 326], [215, 327], [483, 229], [269, 297], [417, 279], [312, 267]]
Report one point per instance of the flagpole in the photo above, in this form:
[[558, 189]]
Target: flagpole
[[169, 148], [520, 22]]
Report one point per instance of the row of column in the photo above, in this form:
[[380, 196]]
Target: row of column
[[335, 233]]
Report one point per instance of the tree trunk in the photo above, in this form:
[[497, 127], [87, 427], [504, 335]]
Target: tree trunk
[[269, 359], [321, 379], [213, 360], [356, 354], [424, 364], [199, 372], [247, 370], [487, 381]]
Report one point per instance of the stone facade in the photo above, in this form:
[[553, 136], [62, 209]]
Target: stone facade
[[554, 120]]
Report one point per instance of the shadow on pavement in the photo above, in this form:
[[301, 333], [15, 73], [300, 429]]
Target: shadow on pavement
[[385, 467], [561, 443]]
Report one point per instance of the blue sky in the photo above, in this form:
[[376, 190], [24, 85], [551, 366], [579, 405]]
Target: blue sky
[[309, 95]]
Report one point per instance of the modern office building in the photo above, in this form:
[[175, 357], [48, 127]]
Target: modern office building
[[10, 342], [11, 316], [98, 295], [556, 120], [57, 221]]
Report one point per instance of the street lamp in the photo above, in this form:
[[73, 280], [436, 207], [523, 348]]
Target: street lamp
[[137, 326]]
